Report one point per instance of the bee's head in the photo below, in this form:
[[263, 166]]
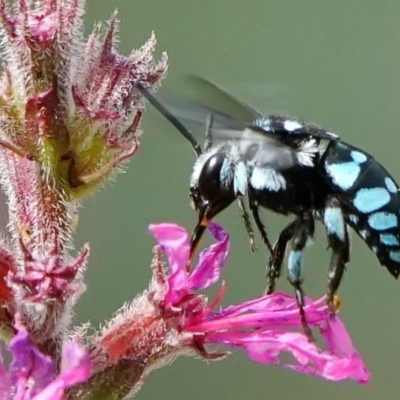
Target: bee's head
[[211, 190]]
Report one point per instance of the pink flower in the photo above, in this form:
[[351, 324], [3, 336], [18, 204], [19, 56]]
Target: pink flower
[[264, 327], [31, 374], [175, 318]]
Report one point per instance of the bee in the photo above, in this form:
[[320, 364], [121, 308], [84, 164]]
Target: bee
[[292, 168]]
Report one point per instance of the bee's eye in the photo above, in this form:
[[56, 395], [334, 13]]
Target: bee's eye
[[210, 177], [212, 168]]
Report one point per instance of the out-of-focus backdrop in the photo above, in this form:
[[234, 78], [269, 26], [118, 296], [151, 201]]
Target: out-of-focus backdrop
[[336, 63]]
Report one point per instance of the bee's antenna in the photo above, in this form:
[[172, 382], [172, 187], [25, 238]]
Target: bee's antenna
[[209, 140], [173, 120]]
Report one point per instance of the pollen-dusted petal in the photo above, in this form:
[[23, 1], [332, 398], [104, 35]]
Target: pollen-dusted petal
[[211, 260]]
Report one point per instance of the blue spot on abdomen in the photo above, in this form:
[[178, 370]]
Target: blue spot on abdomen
[[368, 200], [358, 157], [390, 185], [388, 239], [382, 220], [344, 174], [395, 256]]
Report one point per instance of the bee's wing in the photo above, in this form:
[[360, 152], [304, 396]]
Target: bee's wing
[[223, 127], [223, 100], [266, 136], [227, 112], [196, 115], [260, 147]]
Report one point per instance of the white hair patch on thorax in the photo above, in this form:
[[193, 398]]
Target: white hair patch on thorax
[[306, 152], [267, 178], [240, 179]]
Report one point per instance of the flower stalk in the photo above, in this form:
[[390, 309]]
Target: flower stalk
[[69, 118]]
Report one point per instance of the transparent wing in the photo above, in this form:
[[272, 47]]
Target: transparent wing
[[222, 100], [233, 120], [228, 112], [195, 114]]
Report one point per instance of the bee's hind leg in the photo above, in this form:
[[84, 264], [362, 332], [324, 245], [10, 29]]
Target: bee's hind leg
[[303, 230], [338, 239]]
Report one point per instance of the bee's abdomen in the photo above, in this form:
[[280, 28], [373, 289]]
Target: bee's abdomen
[[370, 199]]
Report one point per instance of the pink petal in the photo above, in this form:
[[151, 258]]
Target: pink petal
[[260, 328], [5, 382], [277, 310], [174, 241], [339, 343], [266, 347], [28, 363], [75, 369], [277, 301], [211, 260], [76, 364]]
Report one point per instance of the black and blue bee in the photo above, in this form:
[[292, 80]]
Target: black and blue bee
[[292, 168]]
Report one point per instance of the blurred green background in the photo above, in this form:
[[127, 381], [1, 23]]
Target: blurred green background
[[333, 62]]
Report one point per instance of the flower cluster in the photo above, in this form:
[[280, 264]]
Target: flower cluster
[[174, 317], [70, 115], [177, 318]]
